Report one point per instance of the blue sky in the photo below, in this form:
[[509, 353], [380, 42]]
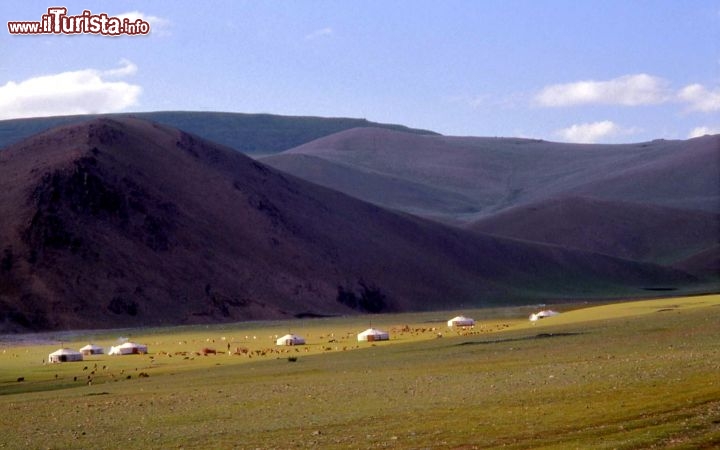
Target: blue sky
[[578, 71]]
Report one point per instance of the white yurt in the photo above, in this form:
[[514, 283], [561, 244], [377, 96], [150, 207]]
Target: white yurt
[[64, 355], [543, 314], [372, 334], [290, 339], [461, 321], [128, 348], [91, 349]]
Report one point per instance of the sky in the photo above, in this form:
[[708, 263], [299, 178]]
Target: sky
[[573, 71]]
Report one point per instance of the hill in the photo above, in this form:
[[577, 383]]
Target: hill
[[248, 133], [686, 177], [124, 222], [705, 263], [387, 190], [478, 177], [640, 232]]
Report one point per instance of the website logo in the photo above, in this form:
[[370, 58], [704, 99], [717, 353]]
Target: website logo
[[57, 21]]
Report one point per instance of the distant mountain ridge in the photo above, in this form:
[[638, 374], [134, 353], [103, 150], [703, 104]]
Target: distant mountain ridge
[[248, 133], [475, 177], [123, 222]]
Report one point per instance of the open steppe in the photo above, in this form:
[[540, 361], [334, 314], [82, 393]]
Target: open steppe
[[622, 375]]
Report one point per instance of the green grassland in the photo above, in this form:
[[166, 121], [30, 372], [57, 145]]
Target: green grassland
[[625, 375]]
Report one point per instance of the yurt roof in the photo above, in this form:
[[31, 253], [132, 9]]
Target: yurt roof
[[373, 331], [291, 336], [64, 351], [460, 318], [130, 345], [91, 347], [543, 314]]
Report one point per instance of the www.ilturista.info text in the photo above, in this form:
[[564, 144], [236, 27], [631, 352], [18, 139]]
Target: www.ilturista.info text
[[56, 21]]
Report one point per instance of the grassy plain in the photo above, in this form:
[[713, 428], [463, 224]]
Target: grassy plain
[[625, 375]]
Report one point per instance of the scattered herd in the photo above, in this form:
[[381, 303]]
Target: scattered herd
[[284, 346]]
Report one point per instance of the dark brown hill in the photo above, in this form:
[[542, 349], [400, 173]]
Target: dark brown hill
[[125, 223], [627, 230]]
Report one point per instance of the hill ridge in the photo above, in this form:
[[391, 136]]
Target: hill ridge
[[498, 173], [245, 132]]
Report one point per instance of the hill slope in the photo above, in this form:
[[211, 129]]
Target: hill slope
[[498, 173], [705, 264], [623, 229], [688, 177], [387, 190], [248, 133], [119, 222]]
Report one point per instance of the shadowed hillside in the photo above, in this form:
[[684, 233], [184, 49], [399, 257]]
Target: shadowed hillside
[[623, 229], [119, 222], [705, 263], [390, 191]]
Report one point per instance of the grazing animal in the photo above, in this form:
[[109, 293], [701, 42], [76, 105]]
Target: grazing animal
[[21, 379]]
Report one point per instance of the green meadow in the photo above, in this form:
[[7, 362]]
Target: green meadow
[[626, 375]]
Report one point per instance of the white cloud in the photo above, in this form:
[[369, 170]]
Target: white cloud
[[588, 133], [128, 68], [702, 131], [700, 98], [158, 25], [627, 90], [319, 33], [78, 92]]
